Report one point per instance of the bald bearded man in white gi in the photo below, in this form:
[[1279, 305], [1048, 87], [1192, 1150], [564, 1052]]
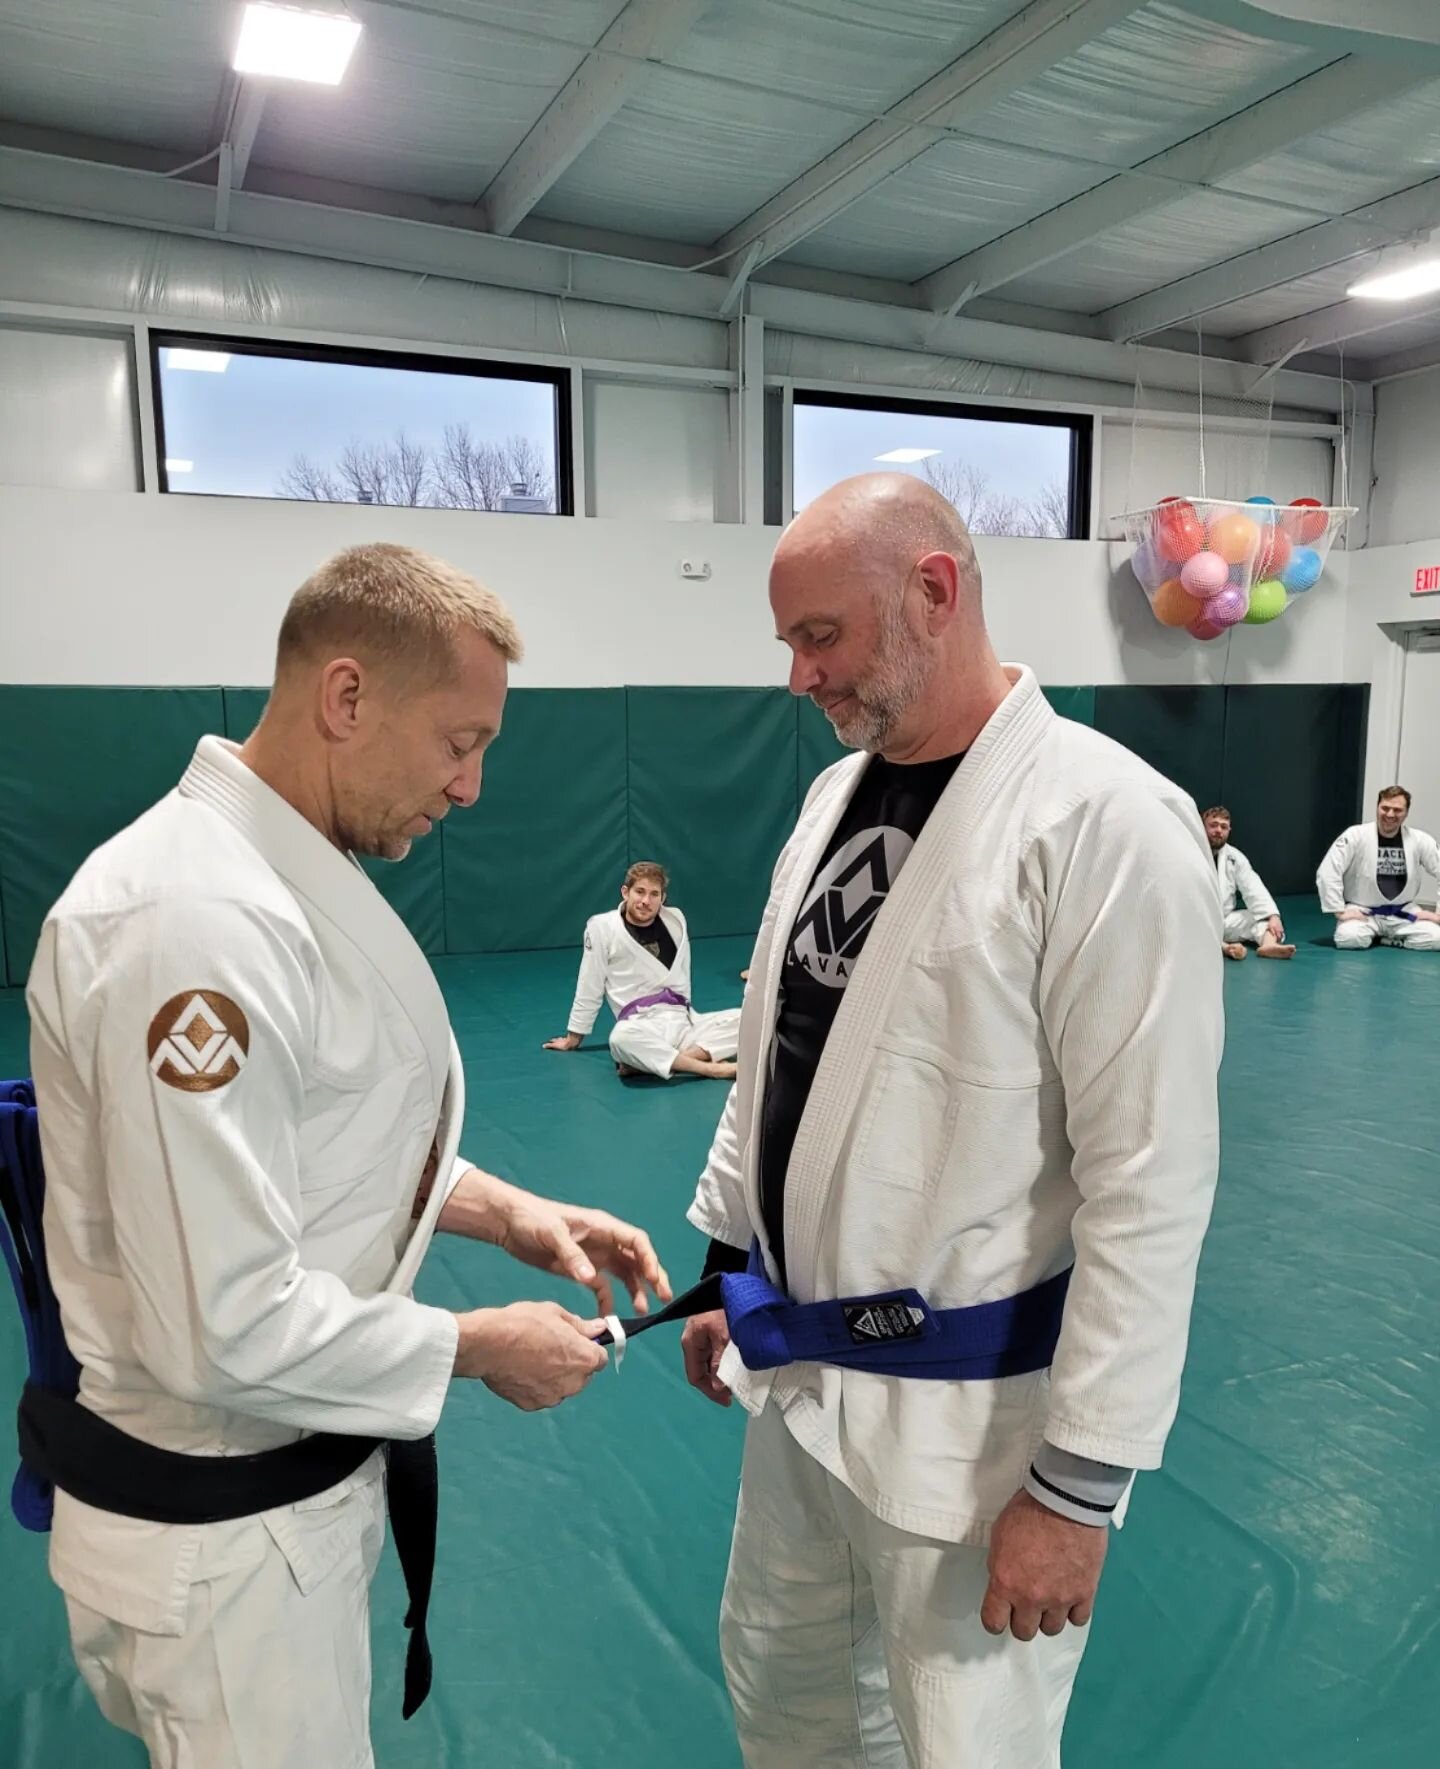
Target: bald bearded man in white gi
[[1372, 877], [250, 1107], [979, 1047]]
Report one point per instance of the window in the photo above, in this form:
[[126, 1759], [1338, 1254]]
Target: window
[[1022, 475], [237, 419]]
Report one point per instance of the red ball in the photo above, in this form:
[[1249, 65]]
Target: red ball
[[1179, 532], [1204, 629], [1310, 521], [1274, 553]]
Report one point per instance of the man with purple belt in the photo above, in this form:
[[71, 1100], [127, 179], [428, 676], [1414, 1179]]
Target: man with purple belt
[[638, 958]]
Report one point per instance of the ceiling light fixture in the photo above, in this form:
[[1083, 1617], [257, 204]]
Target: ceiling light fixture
[[905, 457], [204, 362], [291, 43], [1401, 274]]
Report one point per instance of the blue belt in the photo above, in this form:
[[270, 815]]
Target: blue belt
[[22, 1241], [893, 1333], [1400, 910]]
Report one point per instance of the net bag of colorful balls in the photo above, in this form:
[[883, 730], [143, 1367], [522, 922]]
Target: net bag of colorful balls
[[1209, 564]]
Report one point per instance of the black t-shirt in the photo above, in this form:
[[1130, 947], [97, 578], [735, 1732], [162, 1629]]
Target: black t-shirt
[[1390, 867], [657, 939], [855, 875]]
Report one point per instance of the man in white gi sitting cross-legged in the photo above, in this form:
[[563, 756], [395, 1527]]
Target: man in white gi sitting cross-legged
[[637, 958], [1372, 878], [1255, 921]]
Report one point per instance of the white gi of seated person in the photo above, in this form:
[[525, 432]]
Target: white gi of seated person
[[1256, 922], [637, 958], [960, 1072], [250, 1105], [1371, 880]]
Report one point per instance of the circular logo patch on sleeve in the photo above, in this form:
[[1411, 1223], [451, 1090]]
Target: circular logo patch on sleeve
[[198, 1042]]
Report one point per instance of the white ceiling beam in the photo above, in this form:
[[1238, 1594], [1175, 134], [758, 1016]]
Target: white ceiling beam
[[642, 35], [1038, 36], [1415, 361], [1404, 216], [236, 147], [447, 243], [1328, 327], [1319, 100]]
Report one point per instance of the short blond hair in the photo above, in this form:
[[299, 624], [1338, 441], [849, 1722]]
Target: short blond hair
[[396, 609]]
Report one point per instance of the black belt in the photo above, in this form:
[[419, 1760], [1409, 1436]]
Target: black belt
[[97, 1463]]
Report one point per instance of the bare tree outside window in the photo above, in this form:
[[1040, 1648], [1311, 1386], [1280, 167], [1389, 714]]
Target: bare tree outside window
[[984, 511], [462, 473]]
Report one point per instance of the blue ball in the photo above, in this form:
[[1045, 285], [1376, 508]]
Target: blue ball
[[1302, 571], [1259, 500]]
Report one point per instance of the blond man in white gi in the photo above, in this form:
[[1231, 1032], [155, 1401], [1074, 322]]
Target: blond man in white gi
[[251, 1105], [979, 1046]]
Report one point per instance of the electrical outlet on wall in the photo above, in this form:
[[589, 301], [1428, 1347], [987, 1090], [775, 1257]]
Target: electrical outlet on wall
[[697, 570]]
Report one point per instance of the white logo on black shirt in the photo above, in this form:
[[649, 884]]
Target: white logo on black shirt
[[844, 900]]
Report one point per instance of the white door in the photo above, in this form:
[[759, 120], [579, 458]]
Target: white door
[[1419, 762]]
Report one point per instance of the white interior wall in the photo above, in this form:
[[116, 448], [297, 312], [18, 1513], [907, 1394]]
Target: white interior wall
[[99, 587], [67, 411], [656, 453], [1140, 463], [1405, 499], [1381, 607]]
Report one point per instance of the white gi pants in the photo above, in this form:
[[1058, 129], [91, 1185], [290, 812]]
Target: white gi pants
[[651, 1039], [1389, 930], [850, 1644], [1245, 927], [270, 1666]]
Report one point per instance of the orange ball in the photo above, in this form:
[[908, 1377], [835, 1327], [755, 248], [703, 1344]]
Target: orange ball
[[1172, 604], [1234, 538]]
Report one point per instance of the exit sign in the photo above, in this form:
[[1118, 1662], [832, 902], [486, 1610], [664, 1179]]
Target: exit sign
[[1427, 581]]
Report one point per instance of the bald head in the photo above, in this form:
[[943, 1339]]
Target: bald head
[[876, 591], [877, 527]]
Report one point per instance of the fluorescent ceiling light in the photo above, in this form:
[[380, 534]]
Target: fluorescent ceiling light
[[1420, 277], [904, 457], [205, 362], [178, 466], [292, 44]]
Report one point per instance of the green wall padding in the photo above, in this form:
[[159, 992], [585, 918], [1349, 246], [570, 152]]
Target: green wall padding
[[76, 766], [585, 780], [1286, 760], [1180, 731], [413, 887], [1292, 774], [546, 845], [1077, 704], [712, 795]]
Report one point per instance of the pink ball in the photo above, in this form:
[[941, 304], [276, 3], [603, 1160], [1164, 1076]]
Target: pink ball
[[1225, 610], [1205, 575]]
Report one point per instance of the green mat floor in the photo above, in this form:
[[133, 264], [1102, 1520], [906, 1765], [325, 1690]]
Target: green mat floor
[[1273, 1601]]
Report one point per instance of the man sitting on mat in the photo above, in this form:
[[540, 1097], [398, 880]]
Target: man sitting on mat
[[638, 958], [1257, 921], [1370, 881]]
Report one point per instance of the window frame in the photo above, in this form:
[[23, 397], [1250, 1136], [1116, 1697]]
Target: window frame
[[297, 350], [1081, 426]]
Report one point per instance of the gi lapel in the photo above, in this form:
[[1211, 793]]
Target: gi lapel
[[332, 887], [1014, 730]]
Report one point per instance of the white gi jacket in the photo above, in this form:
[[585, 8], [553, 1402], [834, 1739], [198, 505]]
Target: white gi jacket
[[1235, 876], [241, 1059], [1347, 876], [1022, 1072], [614, 967]]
